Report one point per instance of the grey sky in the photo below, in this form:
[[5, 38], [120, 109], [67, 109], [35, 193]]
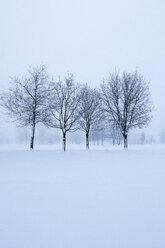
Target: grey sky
[[88, 37]]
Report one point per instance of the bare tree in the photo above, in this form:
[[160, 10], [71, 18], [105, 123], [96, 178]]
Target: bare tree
[[24, 100], [62, 106], [89, 110], [126, 100]]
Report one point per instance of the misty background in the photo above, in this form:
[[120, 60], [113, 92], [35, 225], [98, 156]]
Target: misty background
[[89, 38]]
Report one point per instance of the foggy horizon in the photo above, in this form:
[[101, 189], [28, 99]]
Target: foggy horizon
[[89, 39]]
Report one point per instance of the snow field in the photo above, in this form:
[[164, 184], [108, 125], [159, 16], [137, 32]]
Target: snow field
[[82, 199]]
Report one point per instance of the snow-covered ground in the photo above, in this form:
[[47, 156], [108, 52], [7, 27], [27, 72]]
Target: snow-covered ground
[[102, 198]]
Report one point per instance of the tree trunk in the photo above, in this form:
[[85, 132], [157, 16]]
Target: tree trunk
[[32, 137], [64, 142], [113, 141], [87, 140], [125, 142]]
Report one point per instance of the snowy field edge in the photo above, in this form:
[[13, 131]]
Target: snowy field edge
[[97, 198]]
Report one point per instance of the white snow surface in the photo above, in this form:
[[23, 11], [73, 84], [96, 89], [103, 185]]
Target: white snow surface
[[108, 198]]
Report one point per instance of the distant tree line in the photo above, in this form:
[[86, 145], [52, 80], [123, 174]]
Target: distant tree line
[[121, 103]]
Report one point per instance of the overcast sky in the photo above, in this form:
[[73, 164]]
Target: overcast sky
[[88, 38]]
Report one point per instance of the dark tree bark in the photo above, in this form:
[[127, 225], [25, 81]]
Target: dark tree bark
[[125, 141], [87, 140], [64, 141], [32, 137]]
